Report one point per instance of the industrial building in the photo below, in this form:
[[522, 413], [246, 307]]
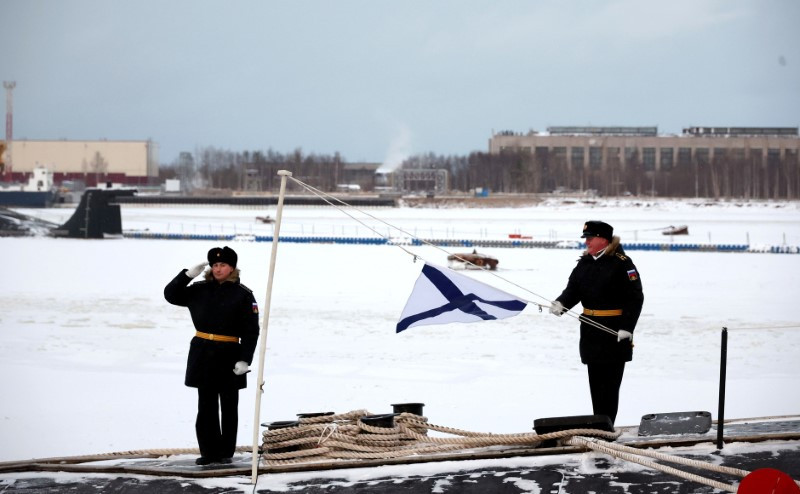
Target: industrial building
[[600, 148], [93, 162], [701, 161]]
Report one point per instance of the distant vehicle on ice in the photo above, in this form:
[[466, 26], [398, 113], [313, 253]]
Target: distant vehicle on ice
[[472, 261], [676, 230]]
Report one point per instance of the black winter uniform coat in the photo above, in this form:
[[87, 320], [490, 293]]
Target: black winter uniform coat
[[606, 283], [227, 308]]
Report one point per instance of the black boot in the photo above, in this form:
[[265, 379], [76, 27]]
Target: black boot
[[204, 460]]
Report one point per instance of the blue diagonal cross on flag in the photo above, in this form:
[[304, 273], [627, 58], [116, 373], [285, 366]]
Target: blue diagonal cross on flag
[[442, 296]]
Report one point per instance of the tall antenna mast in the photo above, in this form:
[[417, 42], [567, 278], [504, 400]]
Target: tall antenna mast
[[9, 85]]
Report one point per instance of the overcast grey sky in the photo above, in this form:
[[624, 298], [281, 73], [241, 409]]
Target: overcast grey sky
[[378, 80]]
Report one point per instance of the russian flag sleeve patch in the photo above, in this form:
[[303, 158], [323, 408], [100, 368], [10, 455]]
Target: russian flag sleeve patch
[[633, 275]]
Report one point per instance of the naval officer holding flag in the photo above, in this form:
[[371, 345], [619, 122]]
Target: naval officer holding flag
[[607, 284]]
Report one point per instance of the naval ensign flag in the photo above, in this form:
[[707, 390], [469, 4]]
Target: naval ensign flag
[[442, 296]]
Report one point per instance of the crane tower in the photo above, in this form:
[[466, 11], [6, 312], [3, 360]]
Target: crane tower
[[9, 85]]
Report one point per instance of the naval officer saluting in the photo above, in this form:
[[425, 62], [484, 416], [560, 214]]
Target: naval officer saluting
[[225, 317]]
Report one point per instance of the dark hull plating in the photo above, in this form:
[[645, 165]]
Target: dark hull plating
[[25, 199]]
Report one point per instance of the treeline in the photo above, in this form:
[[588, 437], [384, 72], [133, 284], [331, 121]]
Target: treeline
[[214, 168], [510, 172]]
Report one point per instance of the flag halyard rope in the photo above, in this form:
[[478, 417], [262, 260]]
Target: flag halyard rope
[[328, 199]]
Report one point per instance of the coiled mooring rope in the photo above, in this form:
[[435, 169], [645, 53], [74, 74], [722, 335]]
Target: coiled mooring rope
[[347, 436]]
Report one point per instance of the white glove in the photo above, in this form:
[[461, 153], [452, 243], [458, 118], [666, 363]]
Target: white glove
[[624, 335], [241, 367], [557, 309], [196, 270]]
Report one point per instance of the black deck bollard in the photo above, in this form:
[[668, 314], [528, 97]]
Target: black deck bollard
[[281, 424], [385, 420], [414, 408], [723, 364]]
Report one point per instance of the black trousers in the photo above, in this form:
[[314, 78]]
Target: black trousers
[[604, 382], [217, 439]]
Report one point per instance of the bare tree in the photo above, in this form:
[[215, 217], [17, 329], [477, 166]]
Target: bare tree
[[98, 166]]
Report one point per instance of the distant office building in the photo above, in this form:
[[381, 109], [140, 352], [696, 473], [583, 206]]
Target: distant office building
[[728, 161]]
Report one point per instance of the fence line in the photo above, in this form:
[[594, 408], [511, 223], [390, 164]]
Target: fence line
[[466, 243]]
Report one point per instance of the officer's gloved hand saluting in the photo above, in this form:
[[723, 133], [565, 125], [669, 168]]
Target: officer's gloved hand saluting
[[557, 309], [194, 271]]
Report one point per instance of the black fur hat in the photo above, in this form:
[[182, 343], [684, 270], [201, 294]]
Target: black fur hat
[[598, 229], [224, 254]]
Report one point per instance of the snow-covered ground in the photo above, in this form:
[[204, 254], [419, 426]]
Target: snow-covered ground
[[634, 220], [93, 357]]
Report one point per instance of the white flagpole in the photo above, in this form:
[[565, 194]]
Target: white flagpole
[[263, 338]]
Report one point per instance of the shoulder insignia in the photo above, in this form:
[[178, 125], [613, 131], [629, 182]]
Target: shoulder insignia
[[247, 289], [622, 256]]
